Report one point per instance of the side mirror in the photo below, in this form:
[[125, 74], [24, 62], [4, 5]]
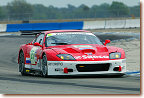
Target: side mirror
[[37, 44], [107, 41]]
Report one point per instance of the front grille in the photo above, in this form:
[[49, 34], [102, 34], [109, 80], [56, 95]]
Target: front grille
[[92, 67]]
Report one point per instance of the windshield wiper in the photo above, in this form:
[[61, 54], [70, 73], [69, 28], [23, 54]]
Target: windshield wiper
[[60, 43]]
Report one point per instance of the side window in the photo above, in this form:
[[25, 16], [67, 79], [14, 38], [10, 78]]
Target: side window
[[40, 39]]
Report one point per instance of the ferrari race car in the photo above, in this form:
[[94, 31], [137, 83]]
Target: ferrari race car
[[70, 52]]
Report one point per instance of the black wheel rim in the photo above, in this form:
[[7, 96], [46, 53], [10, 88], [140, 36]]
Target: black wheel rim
[[44, 65], [21, 62]]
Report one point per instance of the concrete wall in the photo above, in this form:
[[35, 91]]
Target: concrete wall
[[99, 24], [110, 24], [3, 27]]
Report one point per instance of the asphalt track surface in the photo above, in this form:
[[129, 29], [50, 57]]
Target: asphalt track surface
[[11, 82]]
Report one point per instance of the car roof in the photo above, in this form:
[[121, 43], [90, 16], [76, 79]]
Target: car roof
[[59, 31]]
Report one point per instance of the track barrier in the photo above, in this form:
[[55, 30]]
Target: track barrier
[[43, 26], [3, 27], [115, 24], [94, 25], [71, 25], [103, 24], [132, 23]]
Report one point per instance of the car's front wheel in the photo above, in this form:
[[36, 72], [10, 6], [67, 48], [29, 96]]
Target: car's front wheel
[[44, 66], [22, 64]]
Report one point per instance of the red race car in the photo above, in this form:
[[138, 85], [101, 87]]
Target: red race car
[[70, 52]]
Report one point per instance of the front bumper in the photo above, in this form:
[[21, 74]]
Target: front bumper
[[70, 67]]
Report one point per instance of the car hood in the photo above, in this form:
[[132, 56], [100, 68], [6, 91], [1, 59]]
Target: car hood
[[88, 52]]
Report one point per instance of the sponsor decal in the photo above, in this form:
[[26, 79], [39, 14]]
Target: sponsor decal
[[58, 69], [55, 64], [82, 46], [28, 60], [33, 57], [52, 34], [88, 53], [85, 48], [89, 57], [27, 70]]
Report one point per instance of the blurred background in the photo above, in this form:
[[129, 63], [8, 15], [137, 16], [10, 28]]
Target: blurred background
[[25, 10]]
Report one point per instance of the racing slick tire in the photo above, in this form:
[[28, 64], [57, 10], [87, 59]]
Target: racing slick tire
[[44, 66], [22, 64]]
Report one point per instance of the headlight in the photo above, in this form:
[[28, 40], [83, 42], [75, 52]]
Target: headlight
[[66, 57], [115, 55]]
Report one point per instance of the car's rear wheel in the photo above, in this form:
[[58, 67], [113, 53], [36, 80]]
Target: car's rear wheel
[[22, 64], [44, 66]]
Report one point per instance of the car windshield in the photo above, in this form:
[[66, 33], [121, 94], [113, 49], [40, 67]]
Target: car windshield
[[54, 39]]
